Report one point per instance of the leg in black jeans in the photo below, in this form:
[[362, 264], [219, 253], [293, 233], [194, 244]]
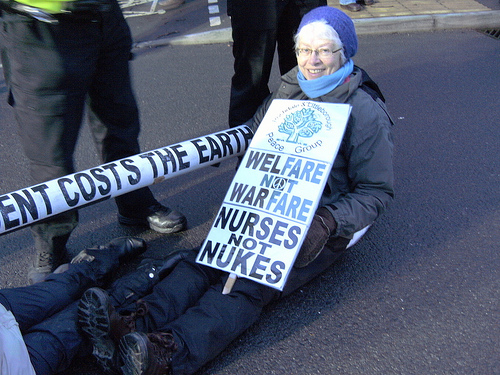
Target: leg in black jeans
[[189, 303], [253, 52], [113, 115]]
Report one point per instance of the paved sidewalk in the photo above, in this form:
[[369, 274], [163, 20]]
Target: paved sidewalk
[[390, 16], [385, 16], [399, 8]]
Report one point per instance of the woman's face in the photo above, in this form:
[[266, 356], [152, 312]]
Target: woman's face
[[317, 57]]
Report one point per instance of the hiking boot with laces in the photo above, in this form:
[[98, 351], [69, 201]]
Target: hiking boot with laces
[[43, 264], [104, 326], [50, 239], [147, 354]]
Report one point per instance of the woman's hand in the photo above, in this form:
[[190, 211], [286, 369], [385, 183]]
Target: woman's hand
[[322, 226]]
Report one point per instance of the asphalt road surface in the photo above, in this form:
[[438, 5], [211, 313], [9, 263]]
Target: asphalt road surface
[[419, 294]]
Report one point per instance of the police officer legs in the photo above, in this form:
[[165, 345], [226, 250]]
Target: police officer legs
[[52, 69]]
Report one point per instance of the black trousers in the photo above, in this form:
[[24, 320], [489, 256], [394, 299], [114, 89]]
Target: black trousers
[[254, 48], [52, 71], [190, 304]]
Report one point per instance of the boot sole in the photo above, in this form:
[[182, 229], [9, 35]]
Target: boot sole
[[93, 317], [134, 354]]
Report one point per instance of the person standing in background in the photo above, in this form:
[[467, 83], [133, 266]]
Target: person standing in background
[[57, 57], [257, 28]]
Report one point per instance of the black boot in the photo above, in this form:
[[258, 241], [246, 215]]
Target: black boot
[[105, 327], [149, 354], [107, 257], [94, 312]]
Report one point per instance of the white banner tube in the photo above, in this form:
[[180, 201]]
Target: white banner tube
[[26, 206]]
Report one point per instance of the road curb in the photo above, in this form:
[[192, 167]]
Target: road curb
[[471, 20], [382, 25]]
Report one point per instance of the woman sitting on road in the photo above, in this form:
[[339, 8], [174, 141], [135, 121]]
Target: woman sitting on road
[[186, 320]]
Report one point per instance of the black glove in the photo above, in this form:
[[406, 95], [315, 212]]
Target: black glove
[[322, 227]]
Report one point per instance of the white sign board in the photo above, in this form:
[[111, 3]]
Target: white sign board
[[270, 204]]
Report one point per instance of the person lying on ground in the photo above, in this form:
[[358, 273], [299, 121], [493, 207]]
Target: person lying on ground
[[38, 323]]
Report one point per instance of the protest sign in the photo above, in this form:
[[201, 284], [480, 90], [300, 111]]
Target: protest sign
[[271, 201]]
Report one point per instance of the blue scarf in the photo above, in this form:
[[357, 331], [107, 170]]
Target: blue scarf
[[315, 88]]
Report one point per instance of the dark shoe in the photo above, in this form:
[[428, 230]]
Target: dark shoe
[[94, 317], [105, 259], [104, 326], [366, 2], [353, 7], [122, 248], [126, 248], [158, 217], [149, 354], [170, 4]]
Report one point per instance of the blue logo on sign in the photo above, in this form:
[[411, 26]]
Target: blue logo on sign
[[300, 124]]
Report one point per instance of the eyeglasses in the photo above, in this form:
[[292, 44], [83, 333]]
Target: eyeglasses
[[321, 52]]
